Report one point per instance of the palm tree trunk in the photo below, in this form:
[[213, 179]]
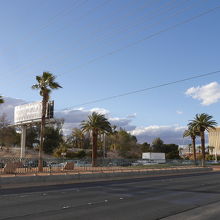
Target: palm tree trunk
[[94, 148], [203, 147], [43, 120], [194, 148]]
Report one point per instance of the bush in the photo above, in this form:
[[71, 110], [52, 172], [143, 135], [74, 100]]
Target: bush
[[209, 157], [61, 149], [173, 155], [79, 155]]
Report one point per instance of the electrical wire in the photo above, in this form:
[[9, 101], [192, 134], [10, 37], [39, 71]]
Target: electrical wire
[[58, 52], [144, 89], [141, 40], [51, 21], [43, 27]]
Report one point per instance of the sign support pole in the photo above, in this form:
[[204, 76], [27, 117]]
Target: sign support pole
[[23, 140]]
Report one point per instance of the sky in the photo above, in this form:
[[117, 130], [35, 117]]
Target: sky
[[102, 48]]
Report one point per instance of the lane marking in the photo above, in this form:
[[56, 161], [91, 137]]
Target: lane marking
[[65, 207]]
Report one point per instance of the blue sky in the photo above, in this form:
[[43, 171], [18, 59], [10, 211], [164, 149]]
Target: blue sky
[[64, 36]]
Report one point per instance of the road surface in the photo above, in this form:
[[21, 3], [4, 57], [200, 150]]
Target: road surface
[[177, 197]]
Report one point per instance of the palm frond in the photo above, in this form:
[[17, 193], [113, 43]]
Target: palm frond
[[203, 122], [46, 84], [97, 122], [35, 86]]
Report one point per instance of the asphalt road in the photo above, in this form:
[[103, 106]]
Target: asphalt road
[[177, 197]]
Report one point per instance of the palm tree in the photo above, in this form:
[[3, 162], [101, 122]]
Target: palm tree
[[191, 132], [203, 122], [210, 149], [45, 83], [199, 149], [78, 137], [189, 147], [114, 137], [1, 100], [96, 123], [180, 150]]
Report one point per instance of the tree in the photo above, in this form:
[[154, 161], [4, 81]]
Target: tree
[[1, 100], [32, 137], [199, 149], [157, 145], [53, 136], [189, 148], [78, 141], [45, 83], [78, 137], [126, 145], [171, 151], [180, 151], [145, 147], [211, 149], [202, 122], [53, 139], [112, 139], [8, 135], [96, 123], [192, 133]]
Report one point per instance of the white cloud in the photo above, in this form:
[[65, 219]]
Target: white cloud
[[168, 133], [208, 94], [134, 115], [100, 111], [8, 106], [124, 123], [179, 112], [73, 118]]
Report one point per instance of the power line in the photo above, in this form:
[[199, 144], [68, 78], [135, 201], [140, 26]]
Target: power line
[[120, 30], [123, 29], [51, 21], [98, 40], [62, 49], [144, 89], [156, 15], [143, 39], [167, 17]]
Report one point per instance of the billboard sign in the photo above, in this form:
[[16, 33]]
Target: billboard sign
[[31, 112]]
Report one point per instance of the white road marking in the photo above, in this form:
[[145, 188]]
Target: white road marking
[[66, 207]]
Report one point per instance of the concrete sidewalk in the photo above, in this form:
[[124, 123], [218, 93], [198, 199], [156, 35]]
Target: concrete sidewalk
[[67, 178]]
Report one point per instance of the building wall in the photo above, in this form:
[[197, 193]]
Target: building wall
[[214, 140]]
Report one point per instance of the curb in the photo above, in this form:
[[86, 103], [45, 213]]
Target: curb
[[28, 181]]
